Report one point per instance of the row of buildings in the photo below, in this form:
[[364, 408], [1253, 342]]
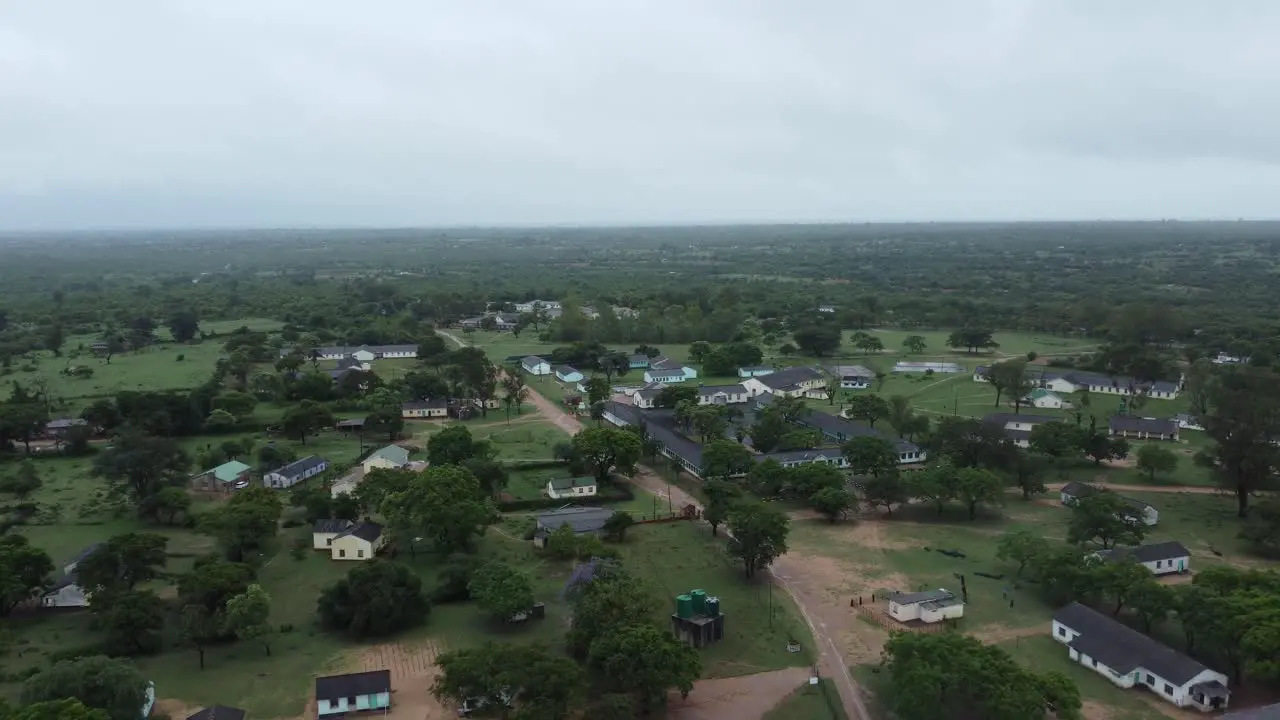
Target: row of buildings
[[1072, 381]]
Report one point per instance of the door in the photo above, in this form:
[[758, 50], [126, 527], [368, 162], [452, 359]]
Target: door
[[1182, 565]]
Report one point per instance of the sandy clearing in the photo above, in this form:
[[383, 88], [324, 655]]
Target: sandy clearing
[[746, 697]]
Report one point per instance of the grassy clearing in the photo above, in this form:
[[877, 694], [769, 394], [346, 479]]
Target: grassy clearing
[[810, 702]]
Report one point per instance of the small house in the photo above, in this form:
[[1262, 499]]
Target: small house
[[722, 394], [323, 532], [391, 457], [638, 362], [577, 487], [337, 695], [219, 712], [1160, 558], [60, 426], [566, 373], [669, 371], [582, 520], [535, 365], [826, 308], [1045, 399], [647, 395], [1187, 421], [788, 382], [424, 409], [852, 377], [751, 371], [930, 606], [295, 472], [359, 542], [224, 478], [350, 425], [1127, 658], [1138, 428], [66, 592]]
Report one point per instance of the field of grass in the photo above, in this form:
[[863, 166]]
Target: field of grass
[[810, 702]]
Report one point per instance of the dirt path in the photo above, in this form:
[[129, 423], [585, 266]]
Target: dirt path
[[746, 697], [1190, 489]]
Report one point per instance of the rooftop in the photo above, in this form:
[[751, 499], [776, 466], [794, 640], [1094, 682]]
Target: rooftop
[[789, 376], [391, 453], [331, 525], [1122, 648], [369, 531], [570, 483], [345, 686], [1148, 553], [922, 597], [581, 519], [1128, 423], [298, 467], [229, 471]]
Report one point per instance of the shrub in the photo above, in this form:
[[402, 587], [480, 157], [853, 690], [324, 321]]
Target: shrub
[[180, 357]]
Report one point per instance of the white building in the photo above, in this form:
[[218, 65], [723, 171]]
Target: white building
[[852, 377], [1164, 558], [1045, 399], [1073, 492], [789, 382], [535, 365], [391, 457], [571, 488], [1127, 658], [930, 606], [295, 472], [66, 592], [646, 396], [722, 394]]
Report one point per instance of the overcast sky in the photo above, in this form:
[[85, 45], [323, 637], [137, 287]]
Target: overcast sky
[[177, 113]]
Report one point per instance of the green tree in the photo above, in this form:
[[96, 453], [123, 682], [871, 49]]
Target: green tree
[[768, 429], [99, 682], [612, 599], [138, 465], [306, 418], [1119, 580], [248, 616], [615, 528], [834, 503], [884, 489], [817, 340], [1022, 547], [501, 590], [1153, 458], [950, 675], [724, 459], [672, 395], [868, 408], [758, 535], [914, 344], [976, 487], [184, 324], [133, 621], [541, 683], [1028, 470], [167, 504], [245, 523], [210, 585], [22, 483], [375, 599], [1152, 602], [608, 449], [972, 339], [1099, 446], [66, 709], [1262, 529], [644, 662], [937, 483], [1244, 421], [1055, 439], [122, 562], [445, 504], [598, 390], [1105, 519], [1009, 377], [721, 495], [870, 455], [24, 571], [200, 628]]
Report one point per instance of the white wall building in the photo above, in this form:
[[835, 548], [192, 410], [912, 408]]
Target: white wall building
[[930, 606]]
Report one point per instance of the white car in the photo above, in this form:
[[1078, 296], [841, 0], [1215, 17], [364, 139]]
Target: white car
[[473, 704], [242, 484]]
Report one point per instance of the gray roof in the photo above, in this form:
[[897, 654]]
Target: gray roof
[[298, 467], [921, 597], [709, 390], [428, 404], [755, 368], [331, 525], [581, 519], [1127, 423], [64, 423], [784, 456], [665, 372], [638, 359], [664, 363], [787, 377], [365, 531], [573, 482], [1167, 550], [841, 429], [1269, 712], [345, 686], [851, 371], [628, 414], [565, 369], [649, 391], [531, 360], [1122, 648], [394, 453], [1003, 419]]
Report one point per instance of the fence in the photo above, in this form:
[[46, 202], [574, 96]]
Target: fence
[[878, 614]]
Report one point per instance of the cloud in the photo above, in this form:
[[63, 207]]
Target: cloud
[[394, 112]]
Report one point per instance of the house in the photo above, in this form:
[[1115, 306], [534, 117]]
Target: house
[[223, 478], [852, 377], [1127, 658], [789, 382], [66, 592], [324, 531], [350, 424], [565, 373], [337, 695], [1070, 381], [363, 353], [638, 362], [1270, 712], [751, 371], [1160, 558], [647, 395], [503, 322], [295, 472], [361, 541], [1073, 492], [826, 308], [1017, 427], [795, 458], [840, 430], [1225, 359], [582, 520], [571, 487], [722, 394], [391, 457], [525, 307], [1044, 399], [1127, 426], [58, 427], [925, 367], [669, 371], [219, 712], [351, 362], [930, 606], [422, 409], [1187, 421], [535, 365]]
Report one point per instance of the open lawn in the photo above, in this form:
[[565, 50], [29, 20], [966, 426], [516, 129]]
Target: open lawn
[[1011, 344]]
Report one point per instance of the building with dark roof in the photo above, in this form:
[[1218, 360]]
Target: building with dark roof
[[337, 695], [789, 382], [295, 472], [1139, 428], [722, 394], [1070, 381], [840, 430], [794, 458], [1127, 658], [646, 395], [1160, 558], [852, 377], [582, 520], [930, 606], [750, 371], [219, 712], [360, 541]]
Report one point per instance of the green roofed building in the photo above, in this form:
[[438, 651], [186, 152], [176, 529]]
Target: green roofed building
[[571, 487], [222, 478]]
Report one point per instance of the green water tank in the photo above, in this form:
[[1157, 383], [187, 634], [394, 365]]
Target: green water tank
[[713, 607], [699, 602], [684, 606]]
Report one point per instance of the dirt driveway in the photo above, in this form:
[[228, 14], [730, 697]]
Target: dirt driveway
[[746, 697]]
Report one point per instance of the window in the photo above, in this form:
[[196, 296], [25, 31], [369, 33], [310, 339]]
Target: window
[[328, 541], [1168, 689], [360, 553], [342, 553], [1159, 563], [1062, 632], [1151, 679]]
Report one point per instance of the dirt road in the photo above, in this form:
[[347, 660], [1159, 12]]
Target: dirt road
[[746, 697], [831, 662], [1191, 489]]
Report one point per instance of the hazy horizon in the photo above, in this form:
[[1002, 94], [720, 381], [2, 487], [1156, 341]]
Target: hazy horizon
[[319, 115]]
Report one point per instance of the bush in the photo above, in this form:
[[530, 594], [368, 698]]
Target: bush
[[180, 357]]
